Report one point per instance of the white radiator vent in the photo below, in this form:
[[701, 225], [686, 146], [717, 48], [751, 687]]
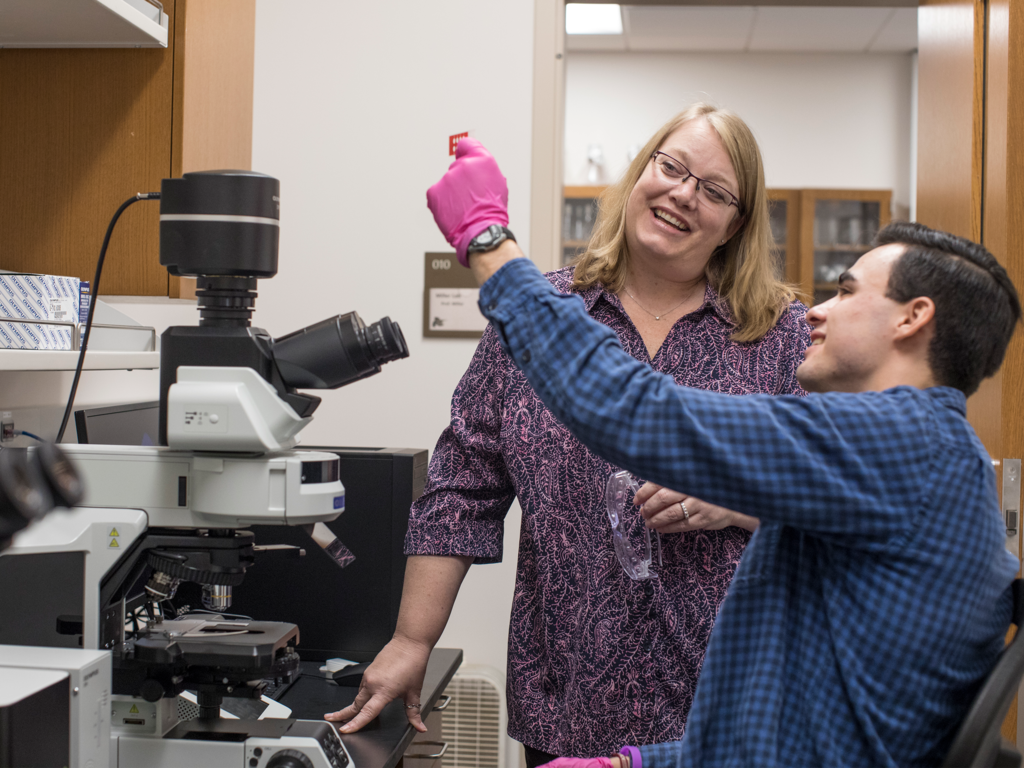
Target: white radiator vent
[[476, 719]]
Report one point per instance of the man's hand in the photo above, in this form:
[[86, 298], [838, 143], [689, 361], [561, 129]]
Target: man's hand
[[663, 511], [397, 672], [470, 197]]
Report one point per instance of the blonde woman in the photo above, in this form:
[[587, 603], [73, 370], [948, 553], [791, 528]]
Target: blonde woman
[[680, 267]]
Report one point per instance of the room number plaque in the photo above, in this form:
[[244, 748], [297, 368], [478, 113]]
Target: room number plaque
[[450, 296]]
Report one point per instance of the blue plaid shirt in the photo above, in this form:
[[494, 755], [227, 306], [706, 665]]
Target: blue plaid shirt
[[874, 598]]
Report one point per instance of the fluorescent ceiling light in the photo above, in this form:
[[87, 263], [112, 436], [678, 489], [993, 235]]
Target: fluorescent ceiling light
[[593, 19]]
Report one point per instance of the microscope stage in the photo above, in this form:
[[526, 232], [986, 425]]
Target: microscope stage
[[205, 643]]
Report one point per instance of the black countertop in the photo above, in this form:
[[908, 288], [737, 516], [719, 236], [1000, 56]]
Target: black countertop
[[381, 743]]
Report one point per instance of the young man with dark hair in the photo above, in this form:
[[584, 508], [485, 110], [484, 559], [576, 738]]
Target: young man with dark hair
[[971, 335], [874, 598]]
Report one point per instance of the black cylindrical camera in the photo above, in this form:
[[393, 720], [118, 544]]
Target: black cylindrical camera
[[33, 482], [220, 223]]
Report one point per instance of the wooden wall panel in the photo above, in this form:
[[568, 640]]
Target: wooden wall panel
[[971, 177], [81, 130], [215, 120], [951, 165], [985, 408], [950, 119], [213, 87]]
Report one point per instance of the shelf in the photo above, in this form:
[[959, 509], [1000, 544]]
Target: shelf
[[842, 247], [82, 24], [48, 360], [575, 243], [582, 193]]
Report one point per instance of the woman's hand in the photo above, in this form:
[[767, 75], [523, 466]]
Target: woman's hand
[[668, 511], [396, 673]]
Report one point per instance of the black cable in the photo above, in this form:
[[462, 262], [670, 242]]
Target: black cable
[[94, 293]]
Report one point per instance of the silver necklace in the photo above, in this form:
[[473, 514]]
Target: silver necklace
[[645, 309]]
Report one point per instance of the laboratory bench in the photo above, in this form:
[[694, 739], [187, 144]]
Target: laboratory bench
[[386, 740]]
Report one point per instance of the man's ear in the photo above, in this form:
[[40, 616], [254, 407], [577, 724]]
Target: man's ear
[[916, 316]]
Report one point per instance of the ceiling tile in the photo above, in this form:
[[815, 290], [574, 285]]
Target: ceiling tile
[[900, 34], [816, 29], [687, 28]]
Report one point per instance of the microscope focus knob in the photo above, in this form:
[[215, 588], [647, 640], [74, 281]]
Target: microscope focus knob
[[289, 758], [151, 690]]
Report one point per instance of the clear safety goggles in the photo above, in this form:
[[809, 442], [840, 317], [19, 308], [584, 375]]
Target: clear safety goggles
[[618, 497]]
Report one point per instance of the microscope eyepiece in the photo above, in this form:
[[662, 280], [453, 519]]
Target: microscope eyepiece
[[33, 482], [61, 478], [338, 351], [22, 491], [386, 341]]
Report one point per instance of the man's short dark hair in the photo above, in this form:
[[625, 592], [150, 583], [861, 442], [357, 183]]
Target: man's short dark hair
[[976, 305]]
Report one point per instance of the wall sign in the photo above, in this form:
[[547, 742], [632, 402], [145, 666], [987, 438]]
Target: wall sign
[[450, 296]]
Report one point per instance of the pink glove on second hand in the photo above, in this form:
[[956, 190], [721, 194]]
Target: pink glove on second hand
[[579, 762], [470, 197]]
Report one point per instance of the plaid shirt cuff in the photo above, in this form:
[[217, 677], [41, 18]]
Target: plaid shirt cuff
[[667, 755]]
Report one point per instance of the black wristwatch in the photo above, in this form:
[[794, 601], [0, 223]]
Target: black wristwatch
[[490, 239]]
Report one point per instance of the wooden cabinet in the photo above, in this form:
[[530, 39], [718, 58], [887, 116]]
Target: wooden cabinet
[[82, 130]]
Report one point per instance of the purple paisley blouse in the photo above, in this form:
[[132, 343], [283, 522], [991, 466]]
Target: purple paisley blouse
[[595, 660]]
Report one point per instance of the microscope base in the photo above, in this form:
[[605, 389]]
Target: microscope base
[[234, 743]]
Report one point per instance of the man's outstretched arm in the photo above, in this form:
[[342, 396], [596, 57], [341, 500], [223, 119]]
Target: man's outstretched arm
[[817, 462]]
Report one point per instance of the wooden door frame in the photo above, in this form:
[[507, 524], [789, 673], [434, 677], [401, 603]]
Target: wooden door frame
[[548, 133]]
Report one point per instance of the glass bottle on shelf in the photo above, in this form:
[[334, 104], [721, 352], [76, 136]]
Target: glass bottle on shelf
[[579, 213], [843, 230]]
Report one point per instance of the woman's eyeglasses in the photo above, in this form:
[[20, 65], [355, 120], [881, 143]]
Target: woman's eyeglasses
[[708, 192], [618, 497]]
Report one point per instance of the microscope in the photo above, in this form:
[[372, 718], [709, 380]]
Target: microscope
[[156, 519]]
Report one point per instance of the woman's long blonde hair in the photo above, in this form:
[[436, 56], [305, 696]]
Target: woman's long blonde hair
[[742, 271]]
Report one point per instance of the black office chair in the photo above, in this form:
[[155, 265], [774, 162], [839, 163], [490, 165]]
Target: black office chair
[[978, 743]]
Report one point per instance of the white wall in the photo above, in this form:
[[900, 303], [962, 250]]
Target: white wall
[[822, 120], [354, 104]]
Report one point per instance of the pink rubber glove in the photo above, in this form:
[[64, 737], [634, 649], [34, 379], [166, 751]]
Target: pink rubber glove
[[578, 762], [469, 198]]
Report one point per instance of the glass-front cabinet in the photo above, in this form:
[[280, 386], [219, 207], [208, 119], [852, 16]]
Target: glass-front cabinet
[[784, 217], [842, 224]]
